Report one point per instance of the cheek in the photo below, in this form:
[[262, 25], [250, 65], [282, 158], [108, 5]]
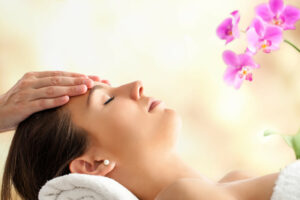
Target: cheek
[[125, 125], [125, 118]]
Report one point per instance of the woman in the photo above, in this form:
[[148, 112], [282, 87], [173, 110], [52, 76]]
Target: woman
[[121, 125]]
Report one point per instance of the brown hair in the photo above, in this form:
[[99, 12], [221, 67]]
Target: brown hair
[[42, 148]]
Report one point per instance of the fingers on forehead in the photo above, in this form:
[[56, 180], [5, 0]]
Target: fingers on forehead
[[57, 73]]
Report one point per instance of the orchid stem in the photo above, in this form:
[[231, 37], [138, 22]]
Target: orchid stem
[[294, 46]]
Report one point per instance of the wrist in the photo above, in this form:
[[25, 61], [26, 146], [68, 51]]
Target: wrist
[[4, 126]]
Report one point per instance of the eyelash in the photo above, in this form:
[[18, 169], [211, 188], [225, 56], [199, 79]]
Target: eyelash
[[109, 100]]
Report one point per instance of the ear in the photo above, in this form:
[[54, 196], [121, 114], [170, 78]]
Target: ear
[[87, 165]]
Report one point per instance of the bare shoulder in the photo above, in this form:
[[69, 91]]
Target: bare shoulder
[[193, 189], [236, 175]]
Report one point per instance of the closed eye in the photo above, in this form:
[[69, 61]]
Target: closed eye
[[109, 100]]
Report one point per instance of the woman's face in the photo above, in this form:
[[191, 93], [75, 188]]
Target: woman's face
[[123, 126]]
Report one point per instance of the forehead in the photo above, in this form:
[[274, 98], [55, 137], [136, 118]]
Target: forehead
[[78, 104], [92, 91]]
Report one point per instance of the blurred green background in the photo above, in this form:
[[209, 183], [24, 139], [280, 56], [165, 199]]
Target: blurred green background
[[170, 45]]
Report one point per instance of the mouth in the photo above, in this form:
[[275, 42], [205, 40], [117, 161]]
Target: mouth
[[152, 104]]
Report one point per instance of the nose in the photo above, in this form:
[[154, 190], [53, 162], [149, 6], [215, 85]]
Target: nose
[[137, 89]]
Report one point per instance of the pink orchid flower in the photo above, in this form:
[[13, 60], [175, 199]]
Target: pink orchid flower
[[265, 37], [228, 29], [276, 13], [239, 68]]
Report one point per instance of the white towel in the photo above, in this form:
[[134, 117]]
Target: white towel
[[84, 187], [287, 185]]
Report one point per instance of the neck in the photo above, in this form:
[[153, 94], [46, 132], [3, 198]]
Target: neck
[[147, 178]]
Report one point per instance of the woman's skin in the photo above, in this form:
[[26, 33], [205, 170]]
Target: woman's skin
[[140, 147], [37, 91]]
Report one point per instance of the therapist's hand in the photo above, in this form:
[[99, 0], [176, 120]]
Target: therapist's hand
[[37, 91]]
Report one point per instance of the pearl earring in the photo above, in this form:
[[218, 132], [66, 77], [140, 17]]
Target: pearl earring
[[106, 162]]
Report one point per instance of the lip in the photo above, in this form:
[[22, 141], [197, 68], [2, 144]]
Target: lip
[[150, 101], [154, 104]]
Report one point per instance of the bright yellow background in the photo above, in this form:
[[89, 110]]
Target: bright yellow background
[[172, 47]]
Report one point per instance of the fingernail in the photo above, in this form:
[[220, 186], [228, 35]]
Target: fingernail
[[82, 88], [88, 82], [92, 84], [65, 99], [85, 88], [105, 81]]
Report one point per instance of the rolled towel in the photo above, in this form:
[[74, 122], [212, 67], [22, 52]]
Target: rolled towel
[[85, 187], [287, 185]]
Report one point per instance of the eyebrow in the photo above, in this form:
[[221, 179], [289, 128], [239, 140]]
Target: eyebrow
[[91, 92]]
